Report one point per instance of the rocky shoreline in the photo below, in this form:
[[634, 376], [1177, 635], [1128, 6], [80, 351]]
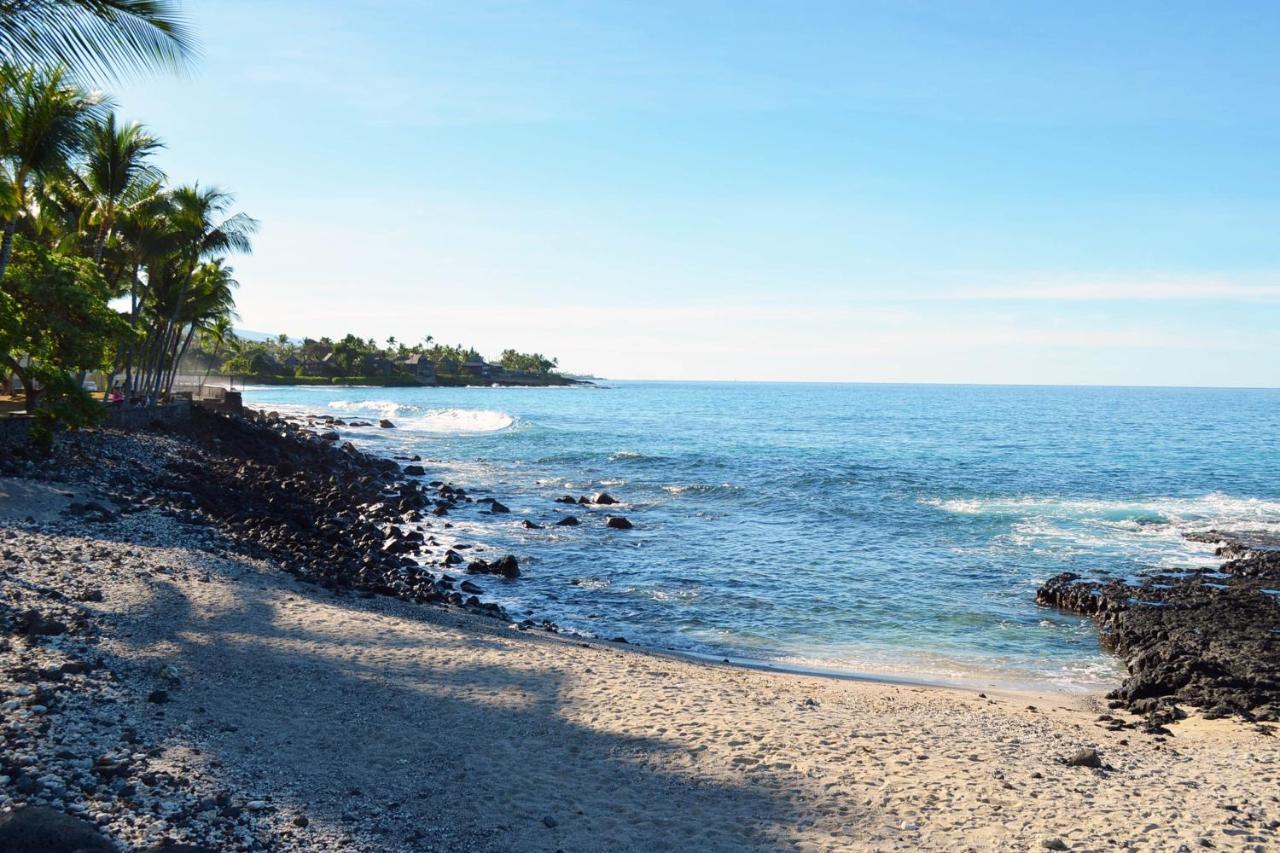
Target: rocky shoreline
[[81, 730], [1207, 638]]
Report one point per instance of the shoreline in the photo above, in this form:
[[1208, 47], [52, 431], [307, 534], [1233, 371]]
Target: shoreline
[[967, 673], [254, 701]]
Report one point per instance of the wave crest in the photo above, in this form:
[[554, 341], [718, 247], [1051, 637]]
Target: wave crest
[[448, 421]]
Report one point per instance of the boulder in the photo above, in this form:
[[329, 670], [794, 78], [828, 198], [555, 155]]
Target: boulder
[[386, 424], [604, 499], [617, 522], [37, 829], [1085, 758], [496, 506], [568, 521], [414, 470]]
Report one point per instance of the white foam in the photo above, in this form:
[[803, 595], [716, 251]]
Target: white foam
[[382, 408], [1212, 510], [454, 421]]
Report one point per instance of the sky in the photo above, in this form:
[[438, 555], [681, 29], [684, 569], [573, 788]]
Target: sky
[[994, 192]]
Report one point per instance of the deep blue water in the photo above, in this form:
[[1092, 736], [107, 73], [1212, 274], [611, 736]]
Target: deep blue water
[[895, 529]]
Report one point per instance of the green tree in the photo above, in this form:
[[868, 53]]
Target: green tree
[[59, 324], [117, 172], [44, 122]]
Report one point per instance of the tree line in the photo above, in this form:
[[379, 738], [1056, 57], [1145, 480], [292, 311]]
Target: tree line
[[350, 356]]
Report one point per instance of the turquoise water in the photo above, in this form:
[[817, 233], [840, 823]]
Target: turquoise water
[[889, 529]]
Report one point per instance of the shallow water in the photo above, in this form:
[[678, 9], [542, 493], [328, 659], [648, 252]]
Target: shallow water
[[889, 529]]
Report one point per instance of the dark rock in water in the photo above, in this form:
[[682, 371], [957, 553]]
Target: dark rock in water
[[604, 498], [584, 500], [36, 829], [1203, 639], [529, 525], [414, 470], [507, 567], [495, 506], [158, 697], [568, 521], [566, 499], [386, 424], [617, 522], [468, 586], [619, 640], [329, 436], [1085, 758]]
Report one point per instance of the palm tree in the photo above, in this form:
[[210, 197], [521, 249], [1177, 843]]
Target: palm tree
[[196, 228], [115, 174], [44, 121], [95, 36]]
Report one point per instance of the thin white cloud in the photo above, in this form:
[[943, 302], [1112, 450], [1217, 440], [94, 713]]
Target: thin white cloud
[[1122, 289]]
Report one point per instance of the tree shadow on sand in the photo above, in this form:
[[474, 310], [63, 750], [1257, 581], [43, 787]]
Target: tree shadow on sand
[[399, 751]]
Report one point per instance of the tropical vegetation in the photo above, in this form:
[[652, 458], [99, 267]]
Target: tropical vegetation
[[105, 266], [355, 360]]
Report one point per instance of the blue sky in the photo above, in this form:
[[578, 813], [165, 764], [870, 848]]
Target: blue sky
[[896, 191]]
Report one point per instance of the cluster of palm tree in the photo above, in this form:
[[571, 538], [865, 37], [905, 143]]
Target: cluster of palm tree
[[77, 182]]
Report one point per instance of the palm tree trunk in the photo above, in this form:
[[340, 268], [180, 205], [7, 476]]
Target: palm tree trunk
[[6, 247]]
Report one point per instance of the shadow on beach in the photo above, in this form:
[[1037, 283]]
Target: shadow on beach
[[408, 732]]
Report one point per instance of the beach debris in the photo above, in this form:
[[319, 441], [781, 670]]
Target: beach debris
[[617, 522]]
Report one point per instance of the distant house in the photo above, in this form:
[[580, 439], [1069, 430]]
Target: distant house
[[291, 363], [475, 367], [447, 366], [420, 368], [376, 365]]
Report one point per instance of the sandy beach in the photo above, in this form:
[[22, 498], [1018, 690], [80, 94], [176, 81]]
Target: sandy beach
[[295, 718]]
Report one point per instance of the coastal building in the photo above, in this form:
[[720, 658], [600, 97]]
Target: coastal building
[[447, 366], [376, 365], [476, 367], [420, 368]]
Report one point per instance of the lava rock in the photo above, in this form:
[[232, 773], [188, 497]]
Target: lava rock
[[37, 829], [568, 521], [1085, 758], [617, 522], [604, 498], [386, 424]]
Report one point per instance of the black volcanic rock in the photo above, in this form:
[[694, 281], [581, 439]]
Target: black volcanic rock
[[1206, 639]]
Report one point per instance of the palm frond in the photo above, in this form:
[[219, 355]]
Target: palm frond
[[96, 37]]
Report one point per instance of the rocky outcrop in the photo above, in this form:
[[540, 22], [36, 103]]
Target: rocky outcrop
[[1210, 639]]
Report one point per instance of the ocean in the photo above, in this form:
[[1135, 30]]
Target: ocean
[[878, 530]]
